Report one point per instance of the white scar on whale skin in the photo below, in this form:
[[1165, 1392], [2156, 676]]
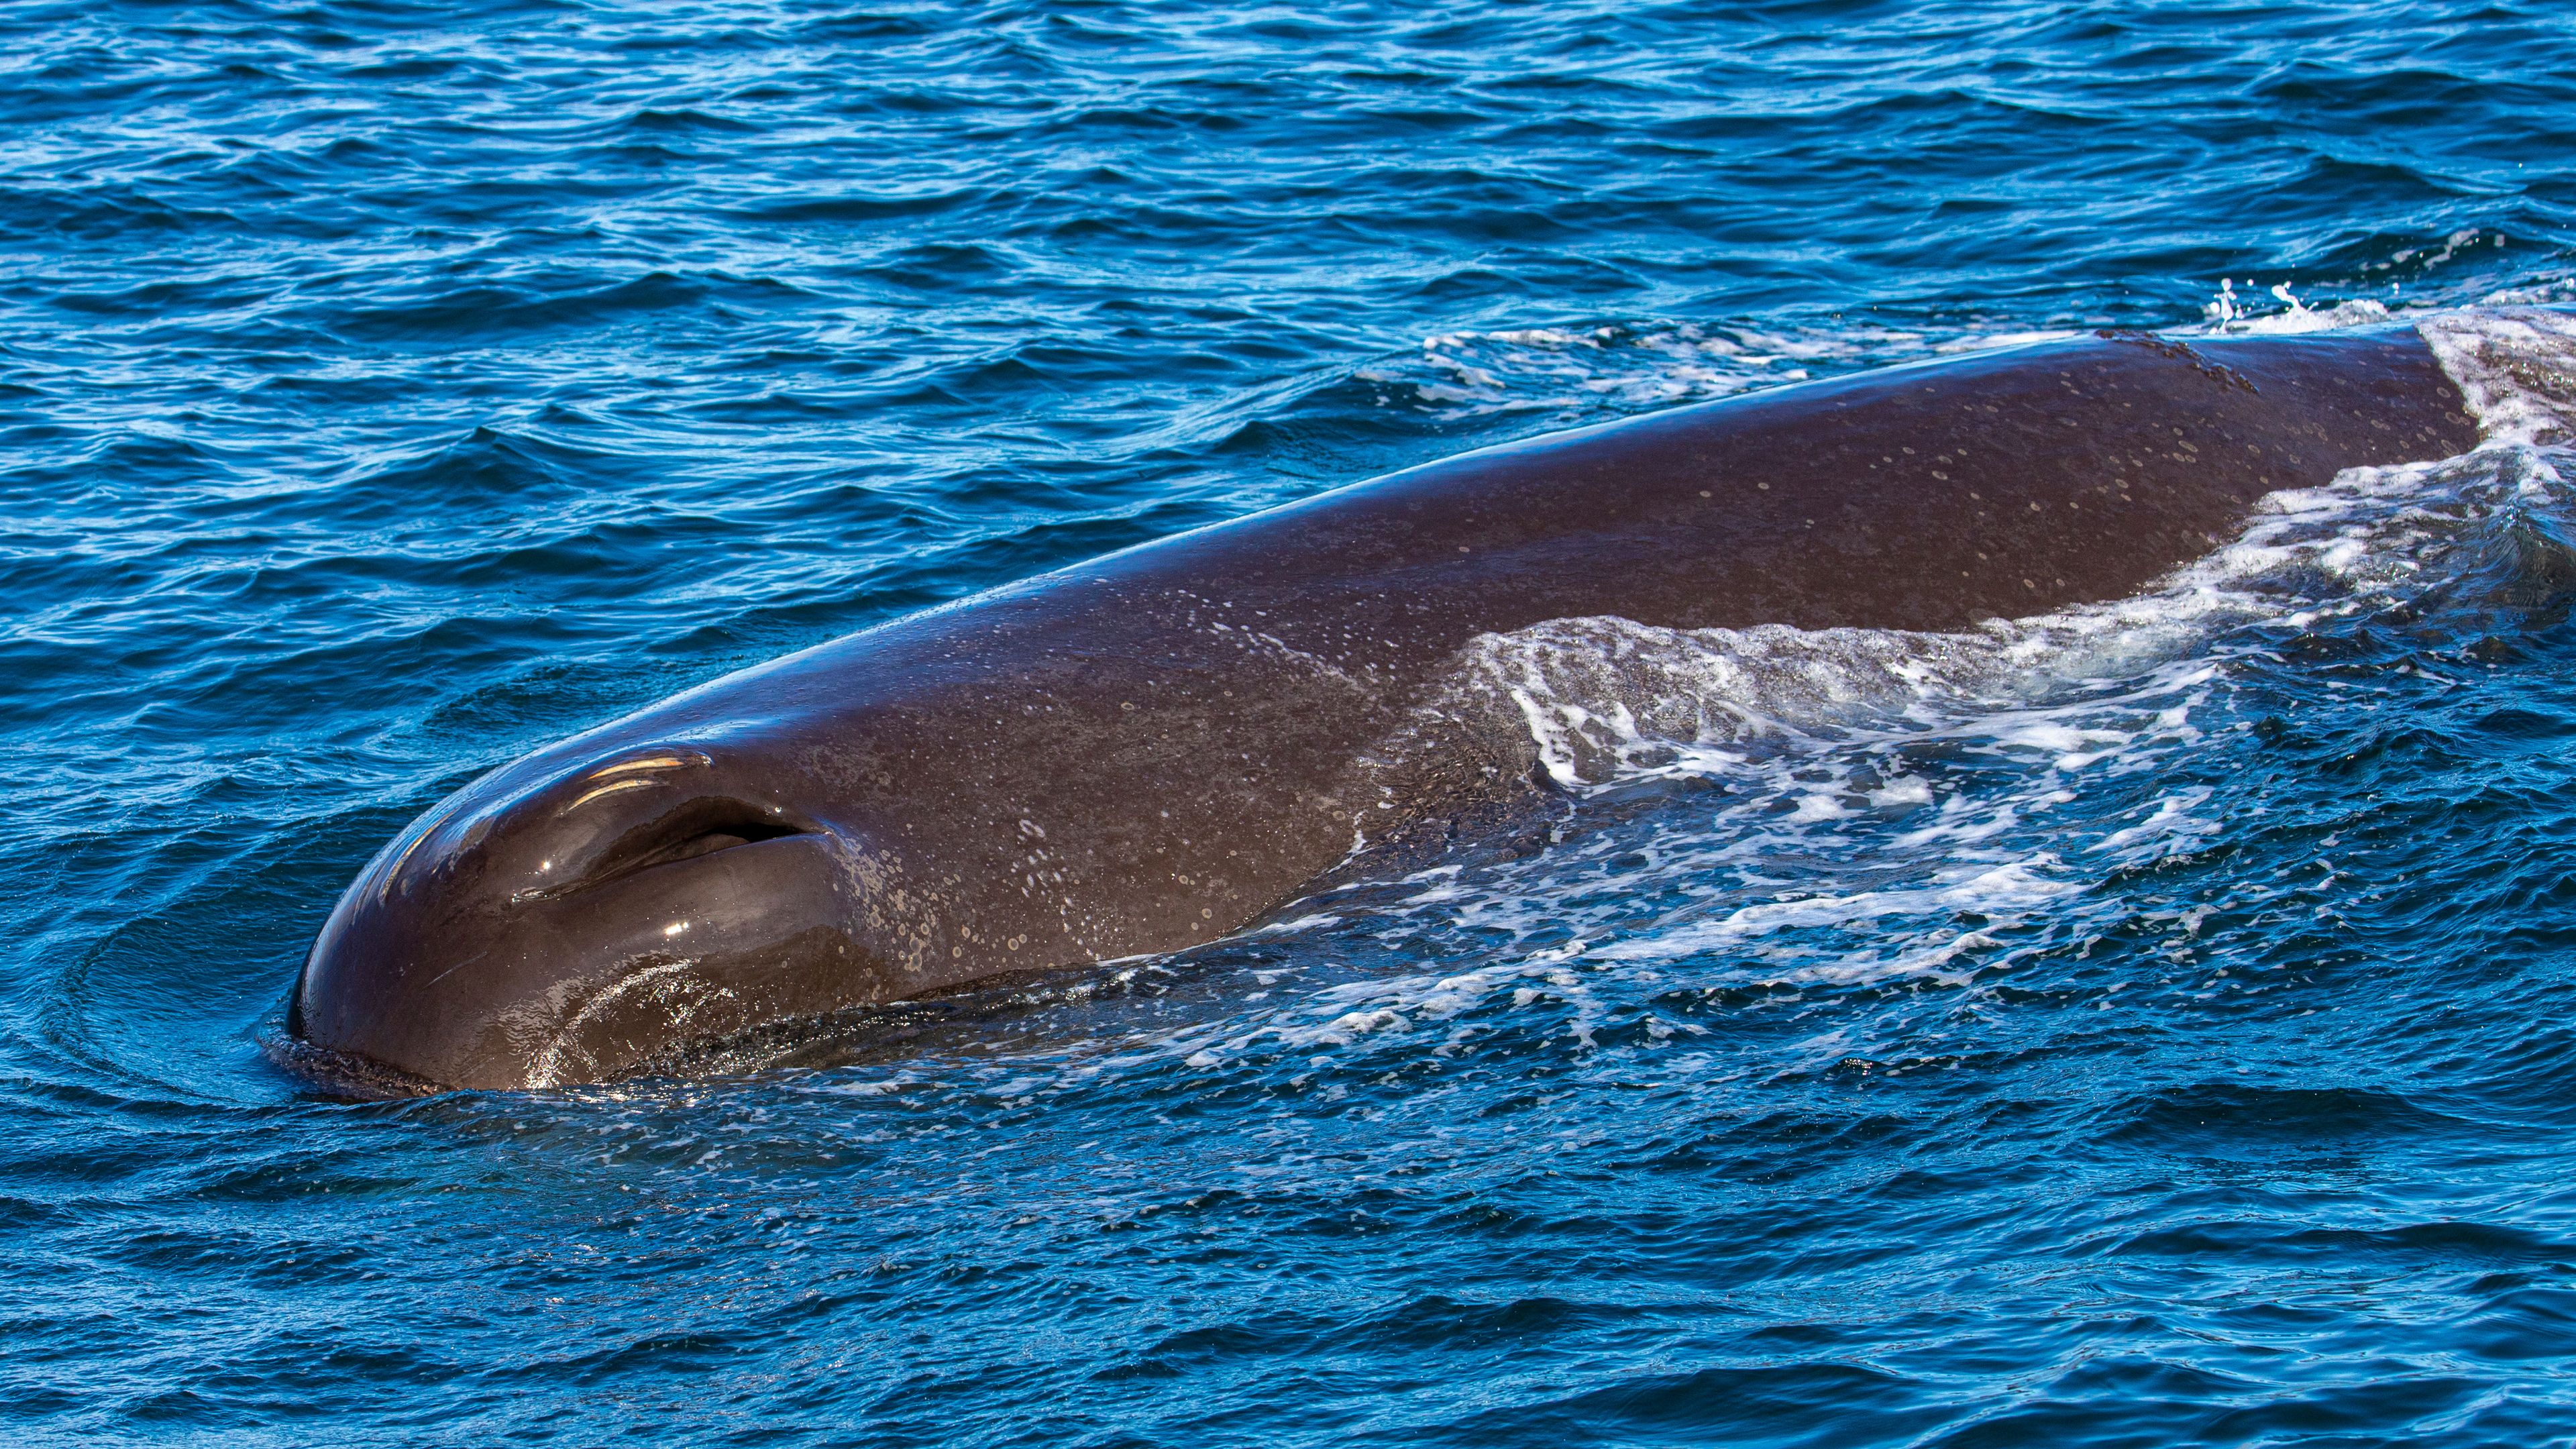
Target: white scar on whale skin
[[666, 982]]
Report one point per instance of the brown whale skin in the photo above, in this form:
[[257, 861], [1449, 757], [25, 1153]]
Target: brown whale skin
[[1158, 747]]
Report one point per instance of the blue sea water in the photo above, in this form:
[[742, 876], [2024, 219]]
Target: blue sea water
[[2172, 1043]]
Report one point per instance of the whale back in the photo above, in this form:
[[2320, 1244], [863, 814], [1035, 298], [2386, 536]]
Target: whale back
[[1158, 747]]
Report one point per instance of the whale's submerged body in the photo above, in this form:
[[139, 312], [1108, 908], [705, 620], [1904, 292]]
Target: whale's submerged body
[[1158, 747]]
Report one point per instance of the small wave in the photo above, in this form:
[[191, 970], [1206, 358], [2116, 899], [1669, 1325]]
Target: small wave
[[1632, 366]]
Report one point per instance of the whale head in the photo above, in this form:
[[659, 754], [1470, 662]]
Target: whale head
[[571, 916]]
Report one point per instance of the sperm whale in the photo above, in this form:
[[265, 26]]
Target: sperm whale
[[1158, 747]]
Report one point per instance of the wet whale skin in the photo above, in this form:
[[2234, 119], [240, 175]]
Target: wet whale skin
[[1158, 747]]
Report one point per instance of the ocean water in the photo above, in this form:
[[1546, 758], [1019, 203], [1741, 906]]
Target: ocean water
[[2150, 1025]]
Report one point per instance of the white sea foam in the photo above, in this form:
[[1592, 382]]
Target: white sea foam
[[2515, 365], [2547, 290], [2227, 312]]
